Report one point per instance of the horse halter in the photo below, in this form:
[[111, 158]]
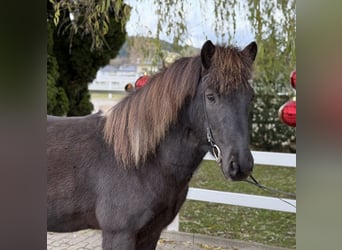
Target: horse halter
[[216, 151]]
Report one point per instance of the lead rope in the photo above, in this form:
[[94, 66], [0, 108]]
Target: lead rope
[[272, 190]]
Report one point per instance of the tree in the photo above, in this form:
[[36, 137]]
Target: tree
[[73, 62], [275, 61], [57, 100]]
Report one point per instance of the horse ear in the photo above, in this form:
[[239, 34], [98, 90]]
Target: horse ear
[[251, 50], [207, 52]]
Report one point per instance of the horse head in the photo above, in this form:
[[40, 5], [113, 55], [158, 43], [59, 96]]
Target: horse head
[[226, 97]]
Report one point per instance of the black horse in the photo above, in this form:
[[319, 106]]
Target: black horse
[[127, 172]]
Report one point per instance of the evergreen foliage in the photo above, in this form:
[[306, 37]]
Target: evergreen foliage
[[57, 100], [275, 60], [73, 64]]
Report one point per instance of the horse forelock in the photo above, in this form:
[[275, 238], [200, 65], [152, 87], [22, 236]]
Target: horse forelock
[[230, 69], [137, 124]]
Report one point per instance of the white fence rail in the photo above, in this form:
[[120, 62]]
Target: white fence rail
[[112, 82], [268, 158], [246, 200]]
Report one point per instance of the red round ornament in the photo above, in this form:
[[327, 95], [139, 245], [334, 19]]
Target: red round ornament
[[293, 77], [141, 81], [287, 113]]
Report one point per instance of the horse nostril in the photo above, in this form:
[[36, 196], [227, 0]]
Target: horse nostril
[[233, 169], [239, 172]]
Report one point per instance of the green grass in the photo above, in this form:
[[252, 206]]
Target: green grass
[[241, 223]]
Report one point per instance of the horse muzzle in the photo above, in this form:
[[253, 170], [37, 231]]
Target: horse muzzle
[[238, 168]]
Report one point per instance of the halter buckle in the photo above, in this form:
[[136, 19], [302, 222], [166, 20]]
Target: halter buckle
[[217, 153]]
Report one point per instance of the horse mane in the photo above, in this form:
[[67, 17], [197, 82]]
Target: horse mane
[[139, 122], [230, 69], [136, 125]]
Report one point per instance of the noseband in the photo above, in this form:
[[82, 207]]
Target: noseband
[[216, 151]]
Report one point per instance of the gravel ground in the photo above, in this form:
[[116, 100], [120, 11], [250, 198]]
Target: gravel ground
[[91, 240]]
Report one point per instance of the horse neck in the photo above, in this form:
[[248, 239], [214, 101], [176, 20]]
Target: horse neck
[[181, 152]]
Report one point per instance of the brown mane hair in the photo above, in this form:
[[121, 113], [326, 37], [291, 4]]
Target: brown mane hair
[[137, 124], [230, 69]]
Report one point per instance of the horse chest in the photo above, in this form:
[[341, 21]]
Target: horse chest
[[164, 211]]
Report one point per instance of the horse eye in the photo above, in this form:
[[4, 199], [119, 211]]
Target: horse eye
[[211, 97]]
